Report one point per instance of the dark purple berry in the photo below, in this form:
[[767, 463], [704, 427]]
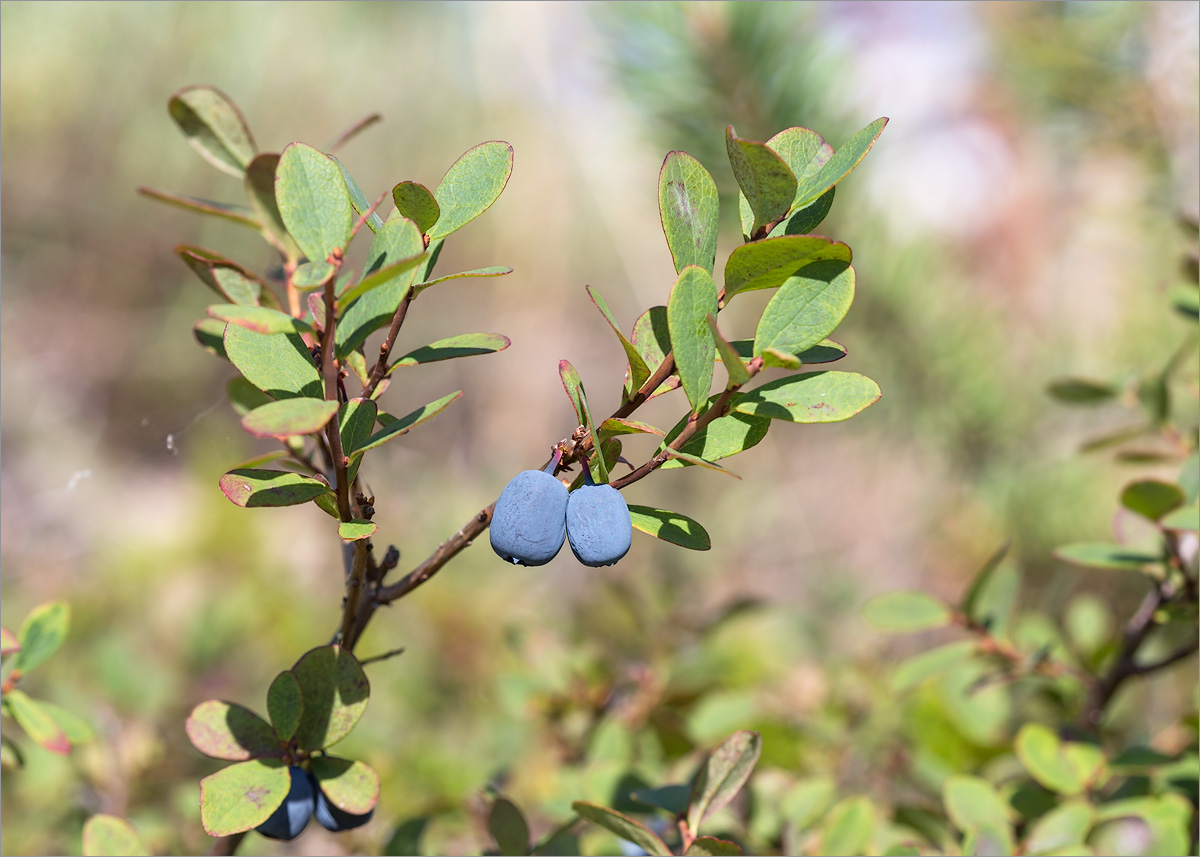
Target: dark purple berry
[[293, 814], [337, 820]]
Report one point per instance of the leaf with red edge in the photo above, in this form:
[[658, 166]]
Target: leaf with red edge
[[8, 642], [36, 722], [350, 786], [248, 487], [289, 417]]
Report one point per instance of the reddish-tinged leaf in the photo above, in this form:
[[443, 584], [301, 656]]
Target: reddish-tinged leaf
[[36, 722], [350, 786], [289, 417], [8, 642], [248, 487], [226, 730]]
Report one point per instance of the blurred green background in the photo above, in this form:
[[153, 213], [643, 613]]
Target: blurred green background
[[1015, 222]]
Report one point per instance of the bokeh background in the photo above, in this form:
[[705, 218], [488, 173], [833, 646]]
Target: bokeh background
[[1015, 222]]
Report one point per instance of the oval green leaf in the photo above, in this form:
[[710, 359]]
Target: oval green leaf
[[214, 127], [1042, 754], [471, 185], [355, 421], [463, 345], [279, 364], [906, 611], [415, 202], [722, 775], [37, 722], [723, 437], [844, 160], [807, 308], [313, 201], [352, 787], [972, 802], [335, 692], [243, 796], [289, 417], [687, 206], [1152, 498], [1107, 556], [41, 634], [224, 276], [226, 730], [311, 275], [259, 319], [285, 705], [769, 263], [110, 836], [693, 299], [508, 827], [252, 488], [1063, 826], [352, 531], [670, 527], [394, 428], [812, 397], [848, 827], [766, 182], [624, 827]]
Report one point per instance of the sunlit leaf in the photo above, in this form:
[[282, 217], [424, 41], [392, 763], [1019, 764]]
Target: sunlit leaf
[[278, 364], [394, 428], [462, 345], [285, 706], [574, 387], [415, 202], [471, 185], [808, 307], [769, 264], [42, 729], [722, 775], [693, 299], [214, 127], [811, 397], [41, 634], [638, 372], [489, 271], [624, 827], [110, 836], [670, 527], [687, 206], [313, 201], [335, 692], [259, 319], [906, 610], [243, 796], [352, 531], [252, 488], [1106, 556], [289, 417], [767, 183], [226, 730], [352, 787]]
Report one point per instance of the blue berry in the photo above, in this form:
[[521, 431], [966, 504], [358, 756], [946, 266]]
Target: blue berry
[[293, 814], [598, 523], [529, 521]]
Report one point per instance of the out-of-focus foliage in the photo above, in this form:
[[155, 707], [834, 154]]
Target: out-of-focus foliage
[[995, 254]]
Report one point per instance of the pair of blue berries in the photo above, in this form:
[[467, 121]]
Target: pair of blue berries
[[535, 513], [305, 799]]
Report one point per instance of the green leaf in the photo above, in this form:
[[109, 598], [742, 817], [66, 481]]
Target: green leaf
[[848, 827], [812, 397], [804, 151], [210, 333], [352, 787], [723, 437], [673, 799], [214, 127], [693, 299], [972, 802], [1186, 301], [508, 827], [415, 202], [463, 345], [489, 271], [285, 706], [279, 364], [624, 827], [770, 263], [260, 190], [1106, 556], [471, 185], [670, 527], [239, 214], [992, 602], [826, 351], [335, 692], [358, 199], [225, 277], [1062, 826], [807, 800], [930, 664], [393, 428], [356, 419], [8, 642], [313, 201], [804, 220], [1187, 518], [243, 796], [709, 846], [312, 275], [1042, 754], [722, 776], [252, 488], [619, 425], [652, 339], [245, 397], [406, 838], [259, 319], [77, 730], [41, 634], [905, 611], [226, 730], [736, 369], [574, 387], [42, 729], [844, 160], [767, 183], [687, 206], [1081, 391], [110, 836], [806, 309], [352, 531], [638, 372], [1151, 498], [699, 462], [289, 417]]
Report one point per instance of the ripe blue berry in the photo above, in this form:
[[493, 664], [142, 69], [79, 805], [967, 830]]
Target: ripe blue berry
[[529, 521], [598, 523], [337, 820], [293, 814]]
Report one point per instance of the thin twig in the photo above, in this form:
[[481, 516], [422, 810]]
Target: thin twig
[[1188, 648], [386, 348], [446, 551], [354, 130], [1136, 631], [376, 658], [366, 214]]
